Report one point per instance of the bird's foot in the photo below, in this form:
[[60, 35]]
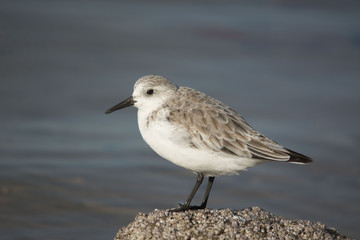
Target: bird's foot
[[184, 207]]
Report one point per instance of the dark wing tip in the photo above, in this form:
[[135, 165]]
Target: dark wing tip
[[298, 157]]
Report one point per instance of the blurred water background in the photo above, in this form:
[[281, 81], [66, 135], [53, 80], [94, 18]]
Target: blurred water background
[[68, 171]]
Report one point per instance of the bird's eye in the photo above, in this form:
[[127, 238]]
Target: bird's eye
[[150, 91]]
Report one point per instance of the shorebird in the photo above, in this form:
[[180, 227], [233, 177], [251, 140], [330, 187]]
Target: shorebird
[[199, 133]]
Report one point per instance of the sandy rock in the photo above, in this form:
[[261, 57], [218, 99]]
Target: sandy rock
[[250, 223]]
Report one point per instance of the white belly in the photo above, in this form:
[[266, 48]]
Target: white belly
[[169, 141]]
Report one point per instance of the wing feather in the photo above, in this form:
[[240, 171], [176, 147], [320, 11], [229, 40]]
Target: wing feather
[[214, 126]]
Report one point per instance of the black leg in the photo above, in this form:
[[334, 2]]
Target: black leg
[[186, 206], [207, 192]]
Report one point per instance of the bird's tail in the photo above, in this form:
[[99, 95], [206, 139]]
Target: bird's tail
[[298, 158]]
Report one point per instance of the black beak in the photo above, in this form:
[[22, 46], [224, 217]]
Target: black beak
[[127, 103]]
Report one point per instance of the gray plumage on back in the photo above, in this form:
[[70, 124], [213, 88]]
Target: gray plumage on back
[[216, 127]]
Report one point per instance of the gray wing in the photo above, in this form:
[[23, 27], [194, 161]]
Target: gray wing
[[214, 126], [224, 130]]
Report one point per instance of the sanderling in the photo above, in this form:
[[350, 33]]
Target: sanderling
[[199, 133]]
